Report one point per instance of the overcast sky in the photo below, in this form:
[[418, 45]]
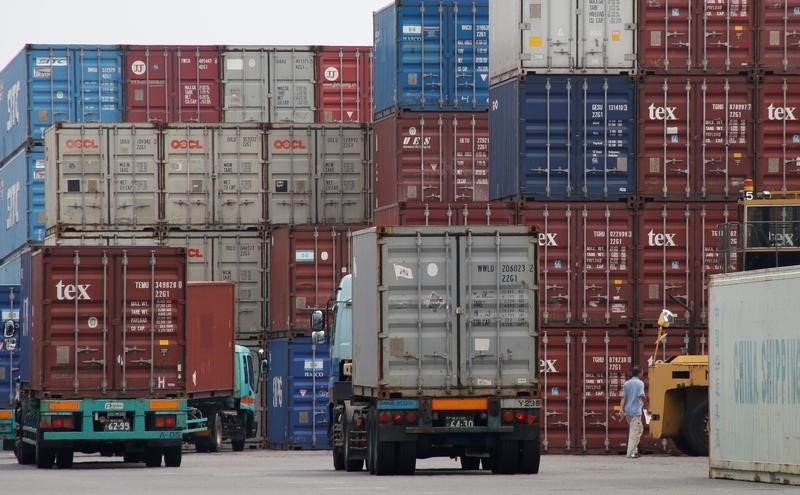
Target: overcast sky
[[210, 22]]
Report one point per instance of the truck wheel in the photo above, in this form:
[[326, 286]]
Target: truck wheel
[[695, 428], [371, 447], [470, 463], [350, 465], [131, 458], [487, 463], [26, 454], [215, 433], [384, 457], [64, 458], [237, 444], [506, 460], [680, 442], [406, 458], [44, 457], [152, 457], [173, 456], [338, 459], [529, 457]]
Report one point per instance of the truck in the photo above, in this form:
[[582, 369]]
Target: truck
[[105, 356], [9, 319], [434, 350]]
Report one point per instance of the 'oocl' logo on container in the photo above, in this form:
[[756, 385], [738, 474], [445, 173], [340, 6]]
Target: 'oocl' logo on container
[[185, 144], [81, 144], [289, 144]]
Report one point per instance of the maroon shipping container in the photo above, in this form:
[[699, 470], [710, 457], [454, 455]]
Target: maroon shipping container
[[696, 137], [680, 245], [306, 264], [173, 83], [586, 258], [700, 35], [448, 214], [778, 129], [108, 322], [344, 84], [431, 157], [210, 338], [582, 373], [778, 35]]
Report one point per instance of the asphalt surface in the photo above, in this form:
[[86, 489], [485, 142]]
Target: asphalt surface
[[312, 473]]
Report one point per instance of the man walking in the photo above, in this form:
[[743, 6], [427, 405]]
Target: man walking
[[631, 404]]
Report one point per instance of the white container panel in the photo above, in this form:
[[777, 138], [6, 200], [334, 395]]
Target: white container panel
[[292, 92], [291, 159], [343, 164], [133, 172], [245, 78], [239, 178], [188, 170]]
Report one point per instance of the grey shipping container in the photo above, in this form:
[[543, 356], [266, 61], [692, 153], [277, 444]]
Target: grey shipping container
[[548, 36], [318, 174], [102, 176], [456, 312], [269, 84], [96, 239]]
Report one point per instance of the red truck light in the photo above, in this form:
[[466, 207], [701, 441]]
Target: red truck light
[[164, 421]]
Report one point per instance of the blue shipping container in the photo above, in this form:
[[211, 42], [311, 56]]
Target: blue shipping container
[[9, 269], [59, 83], [22, 199], [431, 56], [297, 394], [25, 334], [563, 138], [9, 311]]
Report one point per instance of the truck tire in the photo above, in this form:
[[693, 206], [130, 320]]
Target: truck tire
[[44, 457], [506, 459], [384, 457], [152, 457], [470, 463], [680, 442], [529, 457], [215, 433], [26, 454], [173, 456], [695, 428], [406, 458], [64, 458], [350, 465], [237, 444], [8, 444], [371, 446], [338, 459], [131, 458]]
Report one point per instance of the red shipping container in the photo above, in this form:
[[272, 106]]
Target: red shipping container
[[344, 84], [696, 137], [779, 35], [586, 258], [173, 83], [447, 214], [79, 293], [582, 372], [210, 337], [428, 156], [778, 128], [701, 35], [306, 264], [679, 247]]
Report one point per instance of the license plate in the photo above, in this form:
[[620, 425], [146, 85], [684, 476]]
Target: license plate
[[459, 422], [521, 403], [118, 425]]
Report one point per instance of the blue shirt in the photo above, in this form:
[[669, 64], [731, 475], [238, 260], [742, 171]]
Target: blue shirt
[[634, 390]]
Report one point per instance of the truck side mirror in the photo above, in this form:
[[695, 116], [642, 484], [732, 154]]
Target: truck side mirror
[[317, 320], [263, 367]]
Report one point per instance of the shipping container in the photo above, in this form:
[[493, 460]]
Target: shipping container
[[563, 137], [240, 257], [22, 192], [778, 35], [344, 84], [269, 84], [93, 330], [754, 377], [306, 263], [431, 157], [318, 173], [45, 84], [10, 268], [102, 176], [172, 83], [679, 247], [583, 36], [582, 373], [702, 36], [447, 214], [586, 259], [297, 412], [213, 177], [95, 238], [696, 137], [10, 301], [210, 338], [431, 55], [778, 129]]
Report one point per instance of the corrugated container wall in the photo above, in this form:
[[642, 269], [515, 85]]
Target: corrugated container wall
[[441, 157], [22, 194], [563, 137], [778, 35], [172, 83], [582, 36], [269, 84], [210, 337], [778, 129], [447, 214], [344, 84], [306, 264], [431, 55], [297, 409], [58, 83], [10, 303], [696, 137], [10, 268], [700, 36]]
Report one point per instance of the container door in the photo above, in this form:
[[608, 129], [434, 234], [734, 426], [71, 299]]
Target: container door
[[82, 165], [10, 303], [51, 89], [343, 92], [422, 57], [666, 35], [607, 34], [469, 167], [469, 87], [245, 79], [239, 183], [342, 167], [199, 254], [188, 167], [498, 296], [292, 94], [711, 252], [133, 172], [779, 35], [196, 85], [308, 395], [148, 95], [241, 259], [727, 34], [421, 167], [778, 124], [291, 168], [98, 74], [556, 362], [420, 276], [549, 31]]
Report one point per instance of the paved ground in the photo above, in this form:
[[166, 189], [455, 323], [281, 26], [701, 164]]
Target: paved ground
[[310, 473]]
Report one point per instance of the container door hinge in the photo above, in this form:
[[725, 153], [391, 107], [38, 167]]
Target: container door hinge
[[631, 26], [460, 310], [524, 26]]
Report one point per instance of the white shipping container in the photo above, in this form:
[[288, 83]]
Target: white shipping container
[[587, 36], [754, 379]]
